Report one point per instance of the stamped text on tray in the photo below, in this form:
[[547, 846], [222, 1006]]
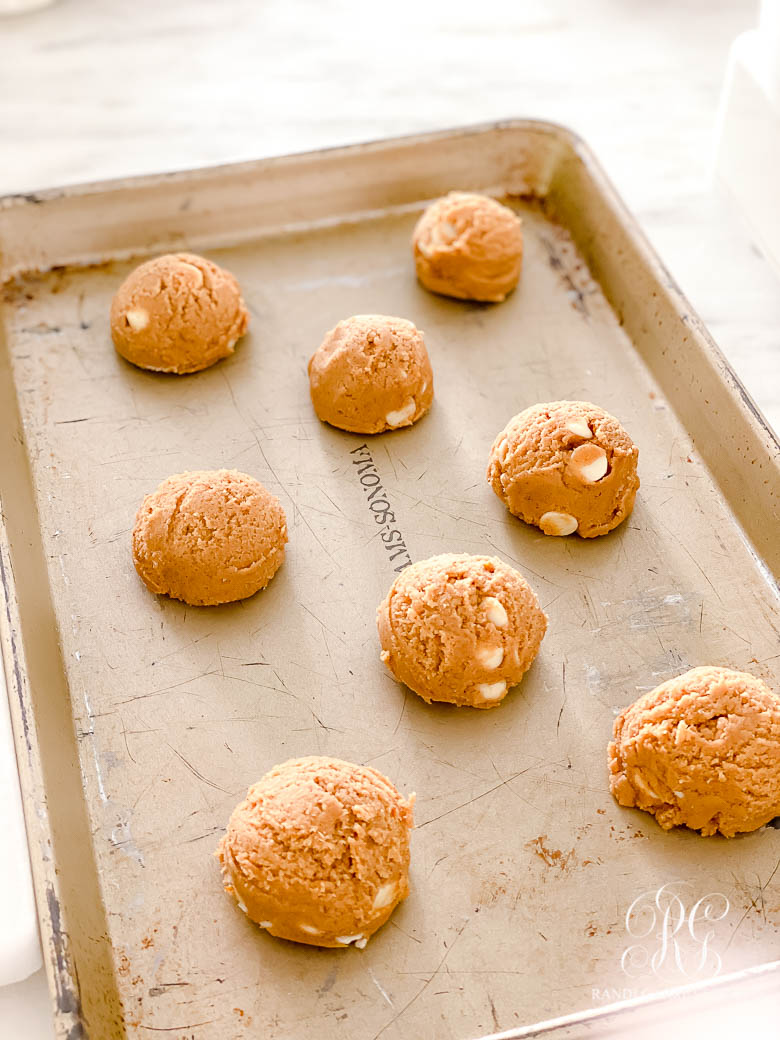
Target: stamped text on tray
[[379, 504]]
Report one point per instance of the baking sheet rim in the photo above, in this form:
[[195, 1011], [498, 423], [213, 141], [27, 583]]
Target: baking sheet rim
[[28, 752]]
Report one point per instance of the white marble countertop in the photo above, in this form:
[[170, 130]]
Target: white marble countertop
[[93, 90]]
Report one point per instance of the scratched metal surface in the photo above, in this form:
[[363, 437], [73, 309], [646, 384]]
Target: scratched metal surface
[[523, 867]]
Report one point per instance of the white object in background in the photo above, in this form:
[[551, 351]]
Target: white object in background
[[20, 948], [25, 1009], [768, 70], [747, 159], [23, 6]]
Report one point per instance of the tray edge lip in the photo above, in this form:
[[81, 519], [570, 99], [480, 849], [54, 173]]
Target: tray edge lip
[[62, 983], [594, 1016], [215, 171], [687, 313]]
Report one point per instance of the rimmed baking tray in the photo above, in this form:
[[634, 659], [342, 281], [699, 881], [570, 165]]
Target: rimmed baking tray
[[140, 722]]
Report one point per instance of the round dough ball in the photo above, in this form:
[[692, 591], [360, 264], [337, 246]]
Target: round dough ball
[[460, 628], [470, 247], [319, 852], [565, 466], [209, 537], [701, 751], [371, 373], [178, 313]]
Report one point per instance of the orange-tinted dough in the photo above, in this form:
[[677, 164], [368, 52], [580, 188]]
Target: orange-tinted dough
[[460, 628], [209, 537], [701, 751], [370, 374], [318, 852], [468, 246], [565, 466], [177, 313]]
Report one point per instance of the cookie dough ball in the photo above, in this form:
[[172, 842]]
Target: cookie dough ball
[[319, 852], [460, 628], [209, 537], [701, 751], [177, 313], [371, 373], [565, 466], [469, 247]]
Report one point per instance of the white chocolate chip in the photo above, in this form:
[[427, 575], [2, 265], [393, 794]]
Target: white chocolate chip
[[197, 270], [495, 611], [637, 781], [589, 463], [137, 319], [346, 940], [232, 344], [558, 524], [594, 471], [242, 906], [490, 656], [680, 732], [491, 691], [579, 428], [309, 929], [444, 232], [385, 895], [361, 943], [266, 924], [402, 415]]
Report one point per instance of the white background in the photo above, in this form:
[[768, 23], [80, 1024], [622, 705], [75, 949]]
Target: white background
[[91, 89]]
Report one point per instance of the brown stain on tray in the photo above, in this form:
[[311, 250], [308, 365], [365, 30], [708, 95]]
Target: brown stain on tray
[[550, 856]]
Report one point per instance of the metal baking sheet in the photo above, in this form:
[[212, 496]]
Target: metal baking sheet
[[140, 721]]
